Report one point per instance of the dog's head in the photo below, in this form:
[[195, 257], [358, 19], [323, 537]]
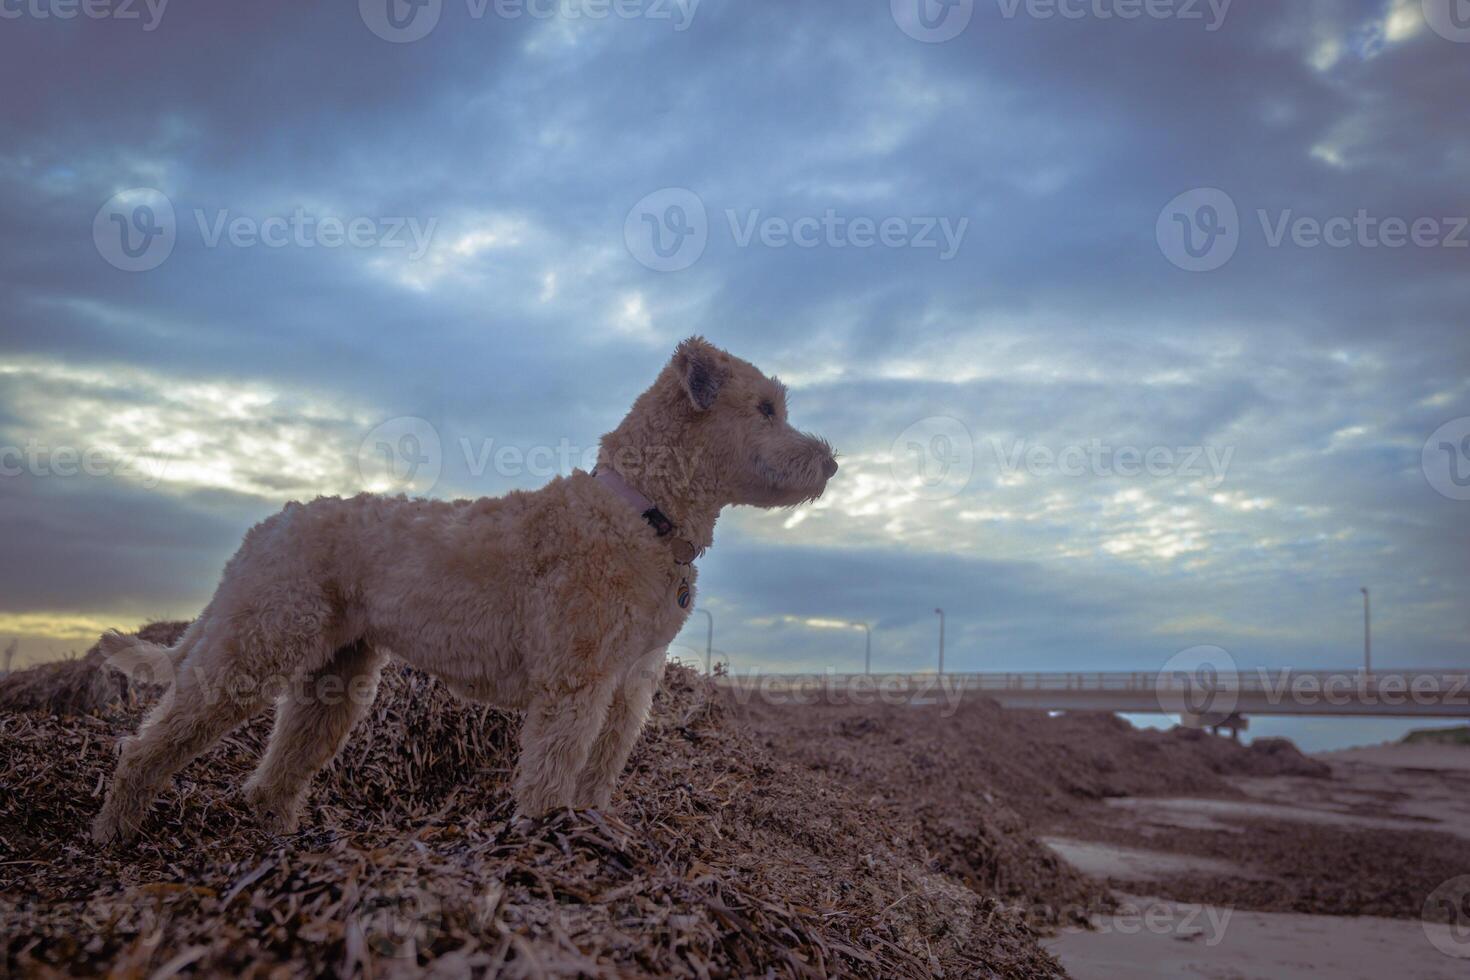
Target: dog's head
[[725, 424], [737, 426]]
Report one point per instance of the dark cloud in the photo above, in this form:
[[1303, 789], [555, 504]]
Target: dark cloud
[[1058, 322]]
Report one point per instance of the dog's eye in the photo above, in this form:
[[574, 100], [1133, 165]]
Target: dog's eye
[[767, 409]]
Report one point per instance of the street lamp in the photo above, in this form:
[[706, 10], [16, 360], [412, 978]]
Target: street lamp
[[941, 639], [867, 647], [709, 640], [1367, 635]]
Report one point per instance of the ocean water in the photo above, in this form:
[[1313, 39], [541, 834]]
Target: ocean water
[[1319, 734]]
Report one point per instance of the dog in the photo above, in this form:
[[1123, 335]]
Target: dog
[[560, 601]]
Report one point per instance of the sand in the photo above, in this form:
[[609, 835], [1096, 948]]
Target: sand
[[1399, 788], [1154, 939], [1104, 861]]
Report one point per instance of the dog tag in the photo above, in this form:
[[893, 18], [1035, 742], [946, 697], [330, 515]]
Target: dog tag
[[685, 596], [684, 552]]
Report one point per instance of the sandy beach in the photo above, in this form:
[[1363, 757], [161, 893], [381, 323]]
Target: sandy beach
[[1399, 788]]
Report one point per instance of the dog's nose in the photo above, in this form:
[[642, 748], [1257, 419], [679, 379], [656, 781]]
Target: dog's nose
[[829, 467]]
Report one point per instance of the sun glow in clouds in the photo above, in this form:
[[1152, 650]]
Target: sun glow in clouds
[[162, 433]]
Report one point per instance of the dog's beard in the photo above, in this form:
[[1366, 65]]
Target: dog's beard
[[787, 486]]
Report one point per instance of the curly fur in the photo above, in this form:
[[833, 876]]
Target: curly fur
[[560, 601]]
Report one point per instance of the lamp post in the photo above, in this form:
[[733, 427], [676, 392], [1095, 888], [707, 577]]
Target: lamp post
[[941, 639], [709, 640], [867, 647], [1367, 635]]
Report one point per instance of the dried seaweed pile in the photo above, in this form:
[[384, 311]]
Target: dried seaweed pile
[[1039, 765], [1025, 773], [720, 859], [76, 687]]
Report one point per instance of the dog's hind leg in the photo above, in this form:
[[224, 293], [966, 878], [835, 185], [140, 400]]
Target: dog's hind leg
[[191, 720], [313, 722]]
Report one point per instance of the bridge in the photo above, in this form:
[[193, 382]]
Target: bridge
[[1204, 698]]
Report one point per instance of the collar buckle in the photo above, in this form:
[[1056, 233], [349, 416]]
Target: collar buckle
[[684, 551]]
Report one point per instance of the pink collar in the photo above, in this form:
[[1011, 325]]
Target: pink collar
[[684, 550]]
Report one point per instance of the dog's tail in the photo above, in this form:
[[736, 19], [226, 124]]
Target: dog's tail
[[139, 660]]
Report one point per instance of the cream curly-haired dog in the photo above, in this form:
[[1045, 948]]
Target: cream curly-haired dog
[[560, 601]]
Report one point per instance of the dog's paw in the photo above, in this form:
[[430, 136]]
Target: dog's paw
[[277, 816], [108, 829]]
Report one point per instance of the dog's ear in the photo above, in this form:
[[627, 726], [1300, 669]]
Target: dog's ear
[[697, 363]]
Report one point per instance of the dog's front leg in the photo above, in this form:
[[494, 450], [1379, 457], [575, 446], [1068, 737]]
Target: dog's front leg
[[625, 718], [563, 720]]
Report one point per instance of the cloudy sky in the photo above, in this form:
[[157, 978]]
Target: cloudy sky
[[1137, 327]]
